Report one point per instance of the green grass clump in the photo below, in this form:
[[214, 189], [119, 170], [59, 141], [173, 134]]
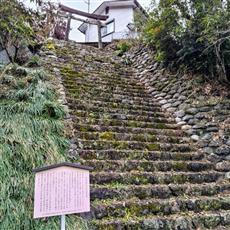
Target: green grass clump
[[32, 134]]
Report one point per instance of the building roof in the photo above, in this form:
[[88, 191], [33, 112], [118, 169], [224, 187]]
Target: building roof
[[114, 3], [64, 164]]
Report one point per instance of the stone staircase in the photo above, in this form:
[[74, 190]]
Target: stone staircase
[[147, 172]]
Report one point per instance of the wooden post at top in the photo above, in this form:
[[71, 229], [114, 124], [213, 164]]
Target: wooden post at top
[[68, 27], [100, 44]]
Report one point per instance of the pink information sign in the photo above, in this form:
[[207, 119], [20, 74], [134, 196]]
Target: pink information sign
[[61, 190]]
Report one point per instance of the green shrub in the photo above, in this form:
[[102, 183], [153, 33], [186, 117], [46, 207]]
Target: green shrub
[[122, 47], [34, 61]]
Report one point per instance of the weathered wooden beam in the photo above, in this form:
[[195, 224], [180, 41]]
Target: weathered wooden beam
[[100, 44], [81, 13], [93, 22], [68, 27]]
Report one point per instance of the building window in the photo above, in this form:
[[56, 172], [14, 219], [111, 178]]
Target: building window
[[109, 28]]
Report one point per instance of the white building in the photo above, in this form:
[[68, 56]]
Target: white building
[[120, 22]]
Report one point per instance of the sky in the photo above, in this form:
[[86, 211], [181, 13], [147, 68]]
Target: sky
[[81, 5]]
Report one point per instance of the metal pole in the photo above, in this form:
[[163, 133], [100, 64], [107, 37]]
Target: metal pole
[[63, 222], [89, 6]]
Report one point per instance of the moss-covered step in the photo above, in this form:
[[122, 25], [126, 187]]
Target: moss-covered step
[[89, 80], [99, 72], [109, 96], [113, 136], [98, 77], [163, 207], [115, 72], [139, 178], [119, 116], [124, 191], [92, 108], [122, 91], [113, 154], [151, 146], [85, 78], [122, 129], [148, 166], [125, 123], [78, 93], [183, 221], [115, 105], [108, 90]]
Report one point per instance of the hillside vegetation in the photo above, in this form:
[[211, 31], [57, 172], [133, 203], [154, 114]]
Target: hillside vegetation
[[192, 35], [32, 134]]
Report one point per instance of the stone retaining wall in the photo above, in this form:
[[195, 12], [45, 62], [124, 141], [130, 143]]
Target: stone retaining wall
[[204, 118]]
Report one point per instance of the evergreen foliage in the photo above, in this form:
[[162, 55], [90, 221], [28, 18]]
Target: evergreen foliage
[[192, 34]]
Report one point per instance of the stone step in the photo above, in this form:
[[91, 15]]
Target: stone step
[[116, 191], [134, 145], [182, 221], [96, 90], [104, 85], [147, 166], [125, 123], [123, 89], [116, 74], [102, 79], [122, 129], [102, 66], [97, 80], [94, 109], [164, 207], [112, 136], [108, 98], [113, 154], [155, 178], [101, 104], [122, 117]]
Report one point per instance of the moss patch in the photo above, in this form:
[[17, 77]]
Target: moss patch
[[106, 136], [153, 147], [161, 126]]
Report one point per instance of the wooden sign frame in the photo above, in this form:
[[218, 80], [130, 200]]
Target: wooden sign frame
[[61, 189]]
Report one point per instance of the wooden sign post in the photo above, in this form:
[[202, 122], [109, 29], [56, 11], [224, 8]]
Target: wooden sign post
[[61, 189]]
